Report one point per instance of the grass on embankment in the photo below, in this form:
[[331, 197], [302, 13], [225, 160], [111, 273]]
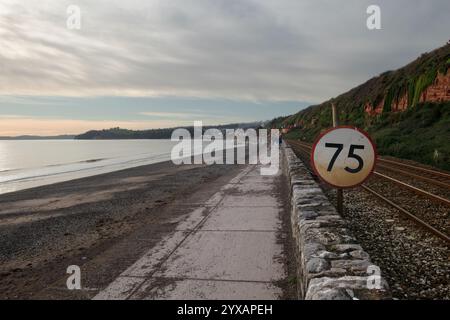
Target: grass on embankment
[[421, 133]]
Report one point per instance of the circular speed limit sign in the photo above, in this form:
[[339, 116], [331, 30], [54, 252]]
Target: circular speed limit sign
[[343, 156]]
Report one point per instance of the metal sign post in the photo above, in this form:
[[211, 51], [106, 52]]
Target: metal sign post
[[343, 157], [339, 191]]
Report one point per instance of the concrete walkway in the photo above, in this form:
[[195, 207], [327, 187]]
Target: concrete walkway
[[229, 247]]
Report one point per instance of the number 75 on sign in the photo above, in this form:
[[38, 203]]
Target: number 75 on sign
[[343, 156]]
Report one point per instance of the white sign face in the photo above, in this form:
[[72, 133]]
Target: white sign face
[[343, 156]]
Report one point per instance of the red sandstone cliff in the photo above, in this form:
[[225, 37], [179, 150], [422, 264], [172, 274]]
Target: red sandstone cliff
[[424, 80], [439, 91]]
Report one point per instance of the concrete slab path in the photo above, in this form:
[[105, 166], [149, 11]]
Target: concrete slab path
[[229, 247]]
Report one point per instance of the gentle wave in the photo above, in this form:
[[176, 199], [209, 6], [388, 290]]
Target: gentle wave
[[35, 174], [29, 164]]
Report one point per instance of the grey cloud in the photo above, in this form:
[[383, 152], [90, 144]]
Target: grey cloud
[[277, 50]]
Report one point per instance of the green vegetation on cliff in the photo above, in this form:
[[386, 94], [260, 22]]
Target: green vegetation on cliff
[[420, 133]]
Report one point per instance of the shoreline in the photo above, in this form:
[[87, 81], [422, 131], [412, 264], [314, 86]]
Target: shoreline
[[57, 161], [46, 228], [32, 177], [61, 177]]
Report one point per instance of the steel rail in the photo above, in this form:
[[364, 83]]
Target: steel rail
[[430, 180], [409, 215], [300, 143], [410, 187], [417, 190], [438, 173], [403, 211], [303, 150]]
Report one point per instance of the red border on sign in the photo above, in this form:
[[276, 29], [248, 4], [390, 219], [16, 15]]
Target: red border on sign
[[343, 127]]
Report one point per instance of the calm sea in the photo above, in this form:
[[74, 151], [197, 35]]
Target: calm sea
[[31, 163]]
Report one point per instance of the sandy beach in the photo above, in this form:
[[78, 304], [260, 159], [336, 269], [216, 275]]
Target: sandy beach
[[45, 229]]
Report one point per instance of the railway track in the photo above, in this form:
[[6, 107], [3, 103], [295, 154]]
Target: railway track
[[406, 177], [438, 178]]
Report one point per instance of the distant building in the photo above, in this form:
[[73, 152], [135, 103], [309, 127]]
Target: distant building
[[288, 128]]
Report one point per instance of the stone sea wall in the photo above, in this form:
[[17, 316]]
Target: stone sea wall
[[331, 265]]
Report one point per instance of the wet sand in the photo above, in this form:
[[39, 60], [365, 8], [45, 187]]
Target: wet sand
[[46, 229]]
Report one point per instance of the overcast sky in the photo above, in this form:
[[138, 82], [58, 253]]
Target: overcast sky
[[157, 63]]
